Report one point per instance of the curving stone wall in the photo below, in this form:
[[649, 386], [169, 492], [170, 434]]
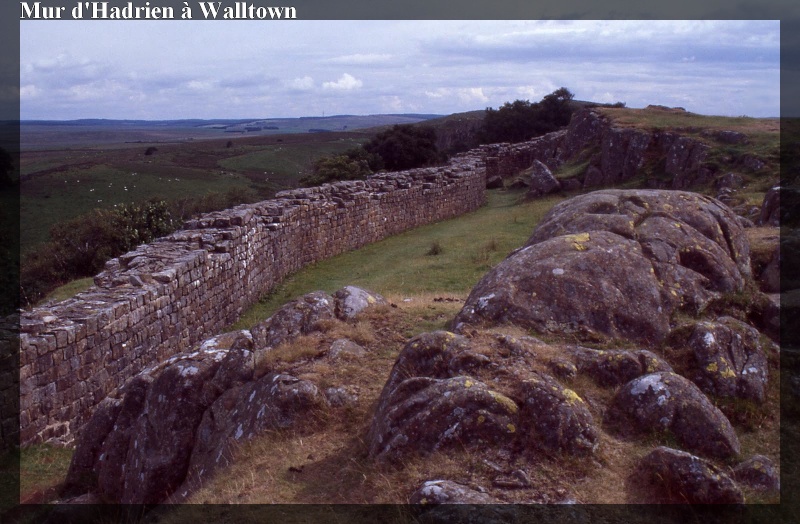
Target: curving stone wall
[[163, 297]]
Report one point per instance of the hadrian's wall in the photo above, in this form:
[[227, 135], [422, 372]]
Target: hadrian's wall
[[166, 296]]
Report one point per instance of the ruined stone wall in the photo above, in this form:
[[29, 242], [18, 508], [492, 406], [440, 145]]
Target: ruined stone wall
[[166, 296]]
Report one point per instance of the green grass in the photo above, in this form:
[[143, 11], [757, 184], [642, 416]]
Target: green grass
[[286, 162], [468, 247]]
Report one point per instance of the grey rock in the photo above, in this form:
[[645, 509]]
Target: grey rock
[[664, 401], [679, 477]]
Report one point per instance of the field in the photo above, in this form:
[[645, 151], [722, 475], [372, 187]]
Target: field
[[68, 169]]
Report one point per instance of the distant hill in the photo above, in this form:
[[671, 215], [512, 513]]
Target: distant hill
[[38, 134]]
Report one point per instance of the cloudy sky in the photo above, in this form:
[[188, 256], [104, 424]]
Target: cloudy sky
[[259, 69]]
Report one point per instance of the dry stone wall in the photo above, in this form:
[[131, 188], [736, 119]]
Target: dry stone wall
[[166, 296]]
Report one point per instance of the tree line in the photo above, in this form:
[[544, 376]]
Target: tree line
[[414, 145]]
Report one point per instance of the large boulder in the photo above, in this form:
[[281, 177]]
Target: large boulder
[[678, 477], [666, 402], [616, 263]]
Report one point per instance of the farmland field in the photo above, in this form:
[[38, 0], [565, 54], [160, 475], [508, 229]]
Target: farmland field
[[69, 168]]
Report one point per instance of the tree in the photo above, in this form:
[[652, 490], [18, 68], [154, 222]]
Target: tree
[[522, 120], [406, 147]]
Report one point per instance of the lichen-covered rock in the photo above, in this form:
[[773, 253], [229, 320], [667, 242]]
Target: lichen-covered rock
[[595, 282], [423, 414], [664, 401], [615, 367], [617, 263], [679, 477], [555, 418], [730, 361], [759, 473], [296, 318], [275, 401], [351, 300], [140, 451], [435, 492]]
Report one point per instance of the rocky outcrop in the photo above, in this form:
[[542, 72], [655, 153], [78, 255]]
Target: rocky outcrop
[[678, 477], [616, 263], [171, 427], [666, 402]]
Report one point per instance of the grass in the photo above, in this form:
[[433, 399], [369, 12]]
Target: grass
[[60, 184], [467, 247]]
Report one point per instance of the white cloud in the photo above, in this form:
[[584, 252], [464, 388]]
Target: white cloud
[[28, 92], [302, 84], [346, 82]]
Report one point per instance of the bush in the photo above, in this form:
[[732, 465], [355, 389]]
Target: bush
[[353, 165]]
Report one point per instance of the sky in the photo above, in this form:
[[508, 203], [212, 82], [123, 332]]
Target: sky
[[161, 70]]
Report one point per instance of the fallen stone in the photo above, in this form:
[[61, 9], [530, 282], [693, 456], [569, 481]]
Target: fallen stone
[[350, 301], [299, 317]]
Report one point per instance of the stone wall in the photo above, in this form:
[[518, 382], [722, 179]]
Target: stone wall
[[164, 297]]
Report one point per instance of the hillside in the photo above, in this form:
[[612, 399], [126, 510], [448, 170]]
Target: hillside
[[332, 456]]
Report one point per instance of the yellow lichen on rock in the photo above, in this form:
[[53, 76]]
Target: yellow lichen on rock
[[572, 397]]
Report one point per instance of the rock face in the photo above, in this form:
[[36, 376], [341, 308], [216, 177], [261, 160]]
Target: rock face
[[423, 415], [679, 477], [668, 402], [617, 263], [172, 426], [433, 400]]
